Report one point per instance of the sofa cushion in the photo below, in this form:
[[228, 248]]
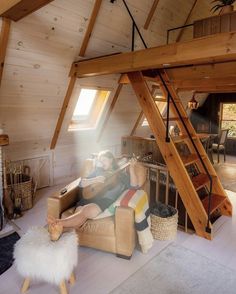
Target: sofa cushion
[[102, 227]]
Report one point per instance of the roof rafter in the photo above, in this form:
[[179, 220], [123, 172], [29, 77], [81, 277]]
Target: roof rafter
[[4, 36], [186, 21], [90, 27], [151, 14], [111, 107], [17, 9]]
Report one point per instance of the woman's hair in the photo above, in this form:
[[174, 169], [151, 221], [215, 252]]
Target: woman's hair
[[108, 154]]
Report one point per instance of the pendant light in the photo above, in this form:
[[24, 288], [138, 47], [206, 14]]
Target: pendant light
[[193, 103]]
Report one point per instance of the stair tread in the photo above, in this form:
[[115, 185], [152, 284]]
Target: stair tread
[[216, 202], [181, 138], [200, 180], [175, 118], [189, 159]]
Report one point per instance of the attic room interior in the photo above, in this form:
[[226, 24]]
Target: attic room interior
[[117, 146]]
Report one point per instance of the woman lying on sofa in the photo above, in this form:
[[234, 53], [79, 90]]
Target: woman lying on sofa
[[90, 208]]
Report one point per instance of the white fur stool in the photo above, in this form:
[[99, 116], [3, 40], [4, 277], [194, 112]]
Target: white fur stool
[[37, 257]]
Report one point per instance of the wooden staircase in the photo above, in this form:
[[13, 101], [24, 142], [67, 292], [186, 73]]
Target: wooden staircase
[[200, 208]]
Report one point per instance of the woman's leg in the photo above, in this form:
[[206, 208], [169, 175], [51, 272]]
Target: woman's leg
[[79, 217]]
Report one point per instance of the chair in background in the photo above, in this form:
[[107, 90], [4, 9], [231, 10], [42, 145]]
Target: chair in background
[[207, 144], [221, 145]]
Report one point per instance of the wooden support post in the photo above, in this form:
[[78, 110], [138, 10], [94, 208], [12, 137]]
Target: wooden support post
[[5, 30], [186, 21], [113, 103], [151, 13], [91, 24], [137, 123], [63, 111]]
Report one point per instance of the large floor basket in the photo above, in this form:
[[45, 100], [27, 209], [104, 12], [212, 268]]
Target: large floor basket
[[23, 191], [164, 228]]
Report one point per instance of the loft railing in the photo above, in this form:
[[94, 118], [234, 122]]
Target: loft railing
[[169, 97]]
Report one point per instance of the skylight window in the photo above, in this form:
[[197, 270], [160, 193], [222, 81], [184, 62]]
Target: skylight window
[[88, 109], [84, 103]]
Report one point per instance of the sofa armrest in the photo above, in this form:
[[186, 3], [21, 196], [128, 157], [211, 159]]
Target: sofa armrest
[[58, 203], [125, 231]]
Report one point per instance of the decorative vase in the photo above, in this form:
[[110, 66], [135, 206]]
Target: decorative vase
[[226, 9]]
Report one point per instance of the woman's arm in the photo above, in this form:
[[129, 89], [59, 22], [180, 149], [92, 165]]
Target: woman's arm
[[87, 182]]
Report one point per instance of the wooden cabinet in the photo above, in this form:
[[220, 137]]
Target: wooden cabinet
[[214, 25]]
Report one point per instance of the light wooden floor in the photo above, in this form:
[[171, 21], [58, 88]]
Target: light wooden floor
[[100, 272]]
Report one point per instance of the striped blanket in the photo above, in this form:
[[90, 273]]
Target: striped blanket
[[138, 200]]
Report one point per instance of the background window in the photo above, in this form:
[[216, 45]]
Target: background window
[[228, 118], [88, 109]]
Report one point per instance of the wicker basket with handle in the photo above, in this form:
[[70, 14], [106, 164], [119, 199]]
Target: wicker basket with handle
[[164, 228]]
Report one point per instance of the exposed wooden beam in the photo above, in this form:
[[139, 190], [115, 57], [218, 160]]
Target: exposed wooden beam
[[216, 89], [91, 24], [210, 49], [17, 9], [207, 83], [63, 112], [207, 71], [5, 31], [186, 21], [111, 107], [137, 123], [151, 13]]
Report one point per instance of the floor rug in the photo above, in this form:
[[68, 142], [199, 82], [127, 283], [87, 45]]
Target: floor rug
[[177, 270], [227, 174], [6, 251]]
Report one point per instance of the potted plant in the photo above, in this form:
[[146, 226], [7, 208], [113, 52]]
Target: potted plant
[[225, 6]]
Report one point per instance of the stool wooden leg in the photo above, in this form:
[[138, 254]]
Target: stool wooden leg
[[63, 289], [25, 285], [72, 278]]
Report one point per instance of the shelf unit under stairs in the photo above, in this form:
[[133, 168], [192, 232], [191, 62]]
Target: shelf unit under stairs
[[202, 193]]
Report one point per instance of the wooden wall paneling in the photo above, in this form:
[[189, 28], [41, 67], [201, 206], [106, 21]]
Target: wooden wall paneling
[[91, 24], [63, 111], [16, 10], [109, 112], [5, 31], [186, 21], [150, 14]]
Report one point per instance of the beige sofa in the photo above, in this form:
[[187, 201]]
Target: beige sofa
[[112, 234]]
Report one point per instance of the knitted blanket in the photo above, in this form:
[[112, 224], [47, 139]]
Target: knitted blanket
[[138, 200]]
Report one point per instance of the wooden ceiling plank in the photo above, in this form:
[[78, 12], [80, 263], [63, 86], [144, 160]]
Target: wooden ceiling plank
[[16, 10], [217, 48], [4, 37], [90, 27], [109, 112], [151, 14], [186, 21], [63, 112]]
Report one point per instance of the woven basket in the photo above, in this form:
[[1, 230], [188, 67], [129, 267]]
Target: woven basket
[[24, 192], [164, 228]]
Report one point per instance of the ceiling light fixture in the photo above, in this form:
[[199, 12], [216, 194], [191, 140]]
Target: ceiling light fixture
[[193, 103]]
